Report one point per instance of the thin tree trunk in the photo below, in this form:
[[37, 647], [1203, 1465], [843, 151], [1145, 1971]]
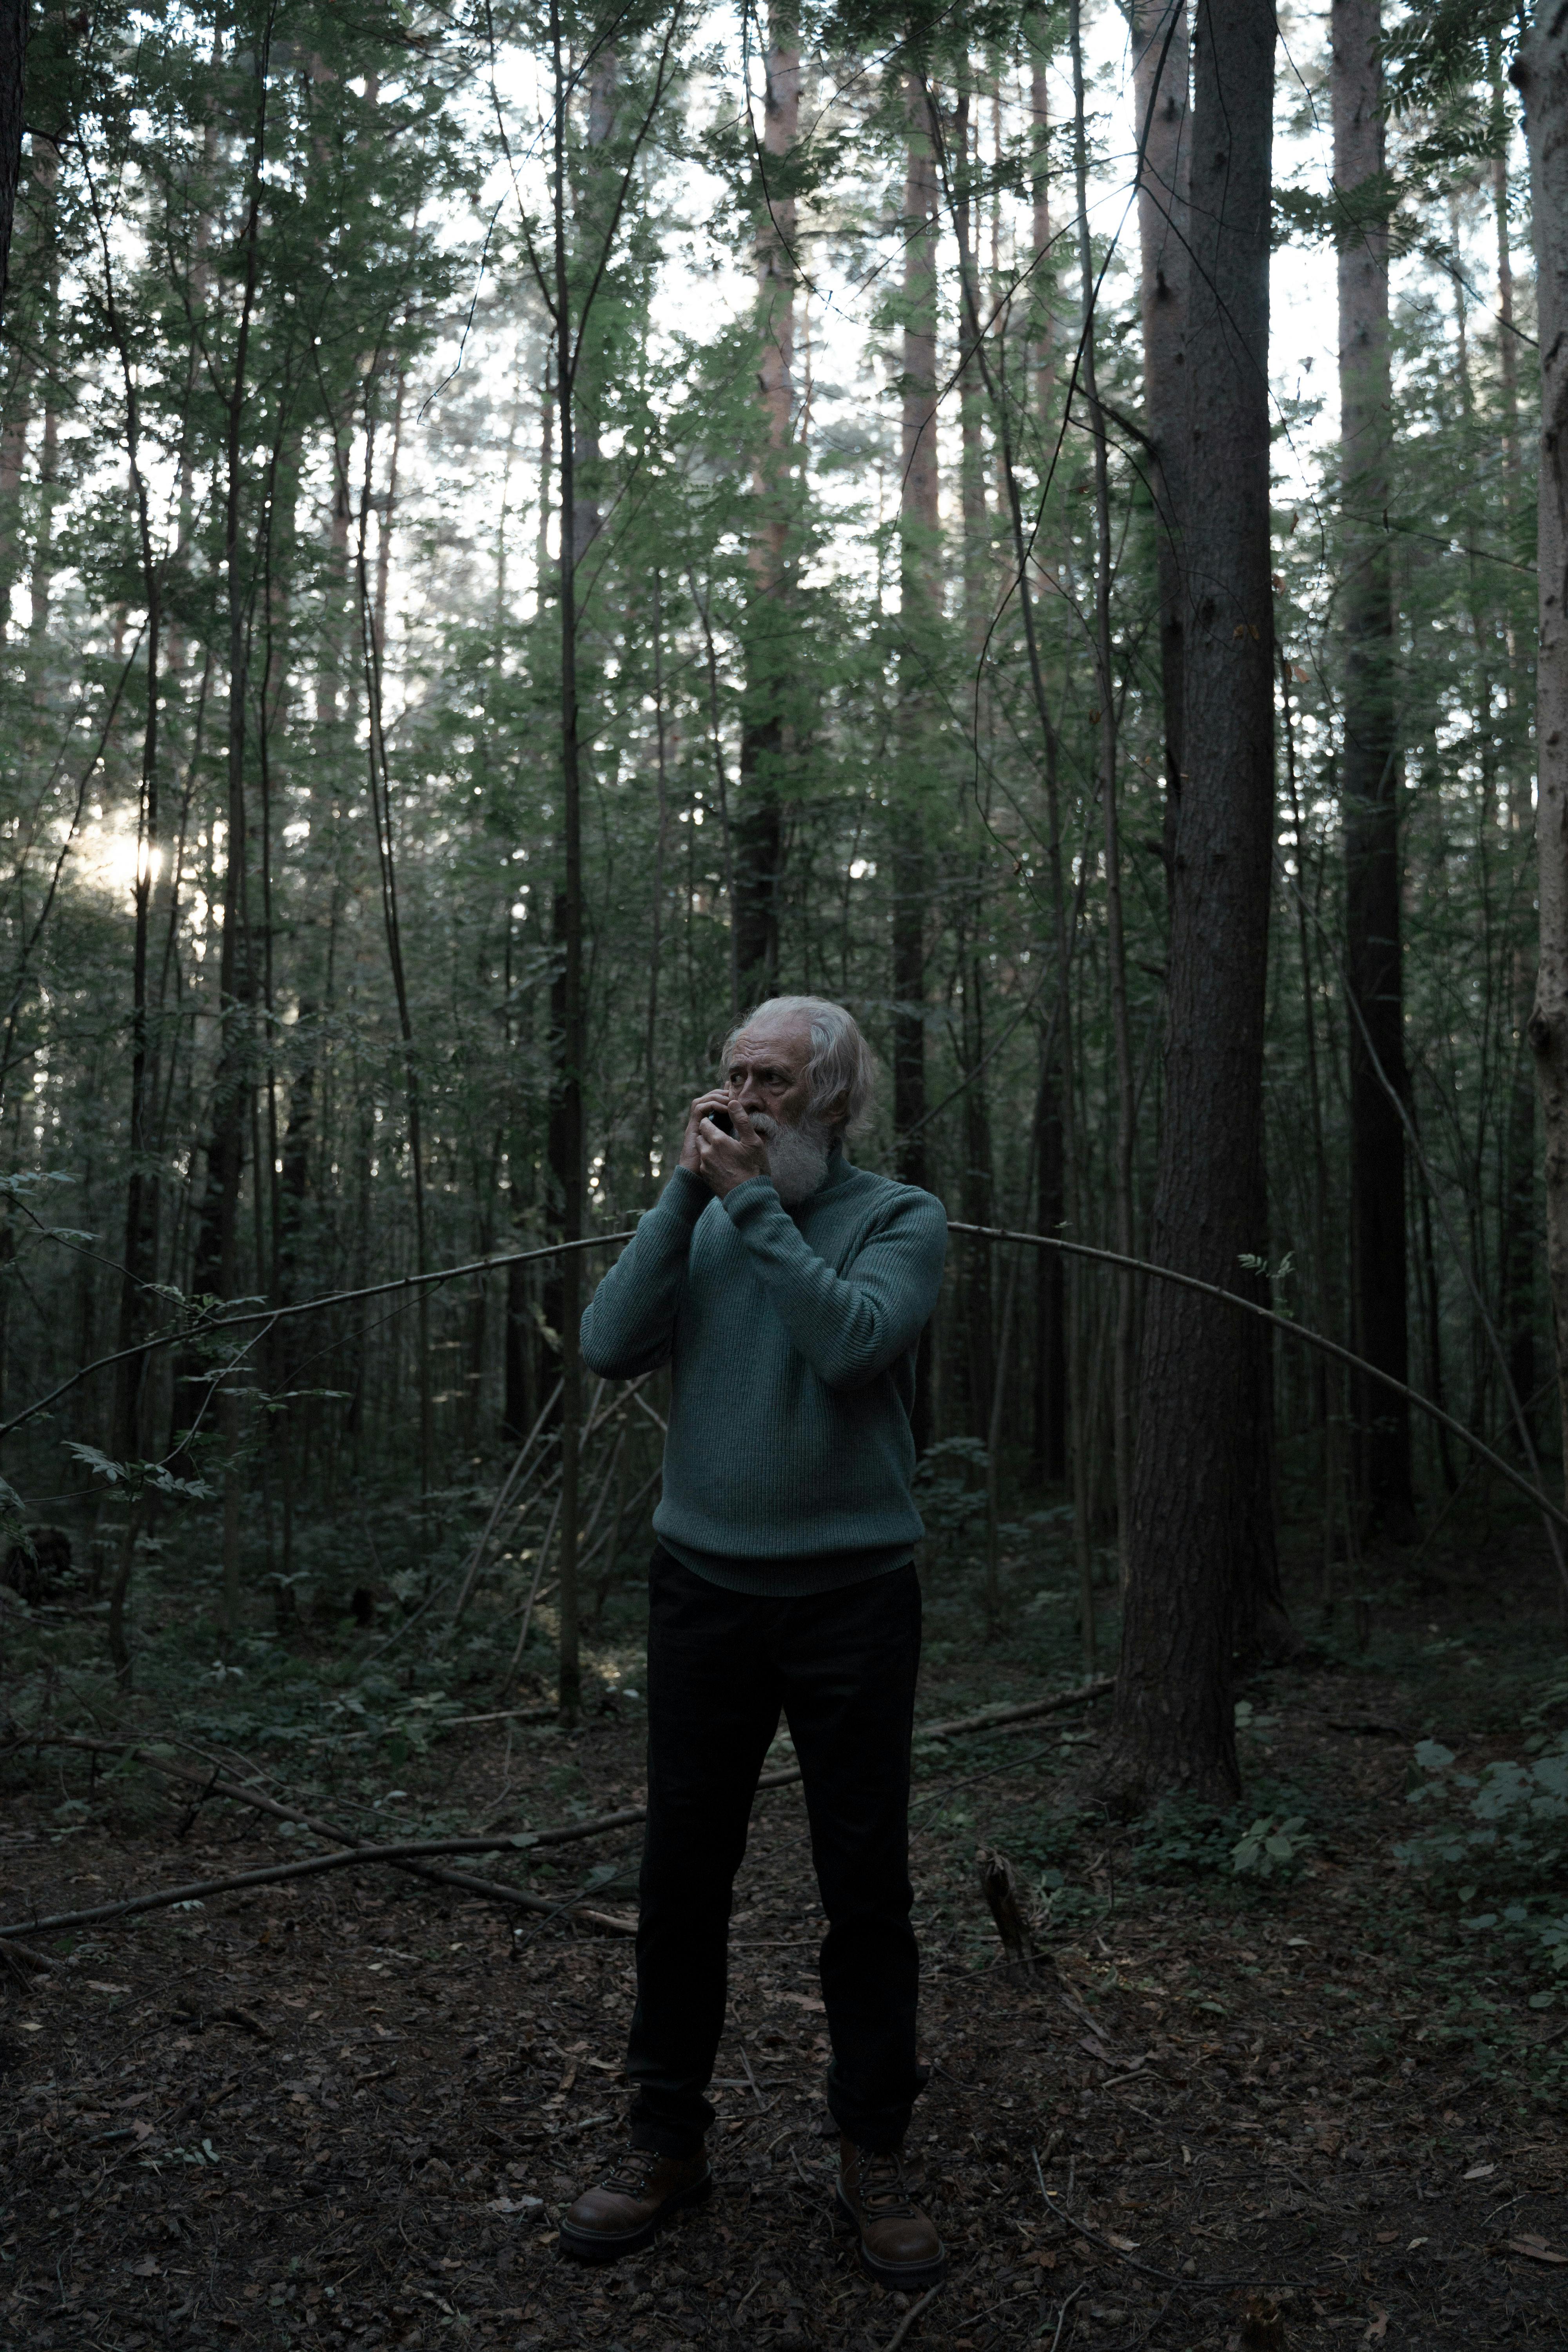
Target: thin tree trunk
[[1518, 1238], [379, 774], [1370, 780], [1199, 1527], [13, 117], [1042, 322], [661, 850], [759, 826], [1115, 943], [566, 1141], [1541, 74]]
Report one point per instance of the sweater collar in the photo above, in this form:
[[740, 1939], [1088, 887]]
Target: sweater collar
[[838, 1171]]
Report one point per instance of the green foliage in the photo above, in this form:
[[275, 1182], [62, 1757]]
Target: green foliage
[[1184, 1838], [1497, 1835], [1266, 1849]]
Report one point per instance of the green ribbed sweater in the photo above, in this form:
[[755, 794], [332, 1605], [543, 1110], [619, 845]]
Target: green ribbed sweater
[[791, 1337]]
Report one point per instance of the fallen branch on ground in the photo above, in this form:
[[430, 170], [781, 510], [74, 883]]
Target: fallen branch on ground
[[355, 1858], [422, 1850], [21, 1957], [910, 2317], [208, 1784]]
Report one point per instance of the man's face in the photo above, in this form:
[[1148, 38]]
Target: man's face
[[767, 1070]]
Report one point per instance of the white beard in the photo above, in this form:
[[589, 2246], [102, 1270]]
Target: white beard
[[797, 1156]]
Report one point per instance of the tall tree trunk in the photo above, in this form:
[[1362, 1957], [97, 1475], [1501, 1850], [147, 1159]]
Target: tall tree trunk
[[13, 115], [919, 598], [758, 823], [139, 1265], [1519, 1221], [372, 616], [1051, 1284], [971, 393], [1161, 72], [19, 417], [1042, 322], [567, 1170], [1199, 1527], [589, 385], [1370, 781], [1541, 74], [1115, 939], [1053, 1106]]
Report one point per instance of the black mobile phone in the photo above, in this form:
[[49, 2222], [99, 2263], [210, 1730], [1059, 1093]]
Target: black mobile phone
[[722, 1121]]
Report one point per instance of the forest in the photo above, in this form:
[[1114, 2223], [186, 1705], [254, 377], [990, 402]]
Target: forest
[[526, 532]]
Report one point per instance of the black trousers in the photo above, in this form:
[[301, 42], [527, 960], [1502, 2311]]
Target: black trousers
[[721, 1666]]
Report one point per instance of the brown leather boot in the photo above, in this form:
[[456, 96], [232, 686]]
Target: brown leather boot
[[634, 2200], [898, 2243]]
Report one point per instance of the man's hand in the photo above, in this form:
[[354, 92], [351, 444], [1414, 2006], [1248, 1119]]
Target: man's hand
[[722, 1160]]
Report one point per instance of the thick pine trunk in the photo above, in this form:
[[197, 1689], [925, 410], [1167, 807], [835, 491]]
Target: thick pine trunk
[[1370, 781], [1541, 74], [759, 840], [1199, 1527]]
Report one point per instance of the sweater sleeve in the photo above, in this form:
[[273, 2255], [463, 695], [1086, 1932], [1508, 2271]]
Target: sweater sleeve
[[628, 1326], [852, 1326]]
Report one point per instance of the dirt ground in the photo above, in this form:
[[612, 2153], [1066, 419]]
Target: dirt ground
[[349, 2111]]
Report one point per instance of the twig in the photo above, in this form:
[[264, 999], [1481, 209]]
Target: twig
[[422, 1850], [495, 1890], [504, 1496], [201, 1328], [356, 1858], [910, 2317], [1309, 1338], [1167, 2278], [21, 1957], [1062, 2314]]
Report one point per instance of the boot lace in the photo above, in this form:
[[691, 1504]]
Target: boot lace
[[884, 2191], [629, 2175]]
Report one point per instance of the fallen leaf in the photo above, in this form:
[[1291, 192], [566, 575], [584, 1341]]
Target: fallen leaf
[[146, 2268], [1040, 2262], [1410, 2249], [1128, 2245], [94, 1986], [1387, 2237], [1479, 2172], [1536, 2250], [31, 2024], [1379, 2327]]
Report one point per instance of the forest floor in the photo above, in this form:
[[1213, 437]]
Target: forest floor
[[348, 2110]]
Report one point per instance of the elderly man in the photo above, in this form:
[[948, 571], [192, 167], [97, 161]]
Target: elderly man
[[786, 1289]]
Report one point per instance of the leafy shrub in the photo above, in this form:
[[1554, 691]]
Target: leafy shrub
[[1185, 1839], [1498, 1833], [1273, 1841]]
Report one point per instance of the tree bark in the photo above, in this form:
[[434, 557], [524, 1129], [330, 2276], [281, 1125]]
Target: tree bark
[[1370, 782], [1106, 737], [759, 842], [1541, 74], [920, 600], [568, 1174], [1161, 74], [1198, 1525], [13, 113]]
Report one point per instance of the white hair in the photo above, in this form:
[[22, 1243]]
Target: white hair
[[842, 1065]]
